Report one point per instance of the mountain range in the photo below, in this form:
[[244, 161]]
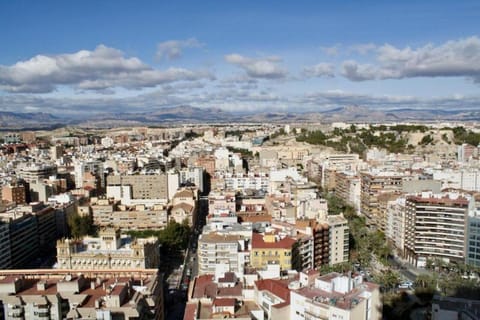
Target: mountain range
[[189, 114]]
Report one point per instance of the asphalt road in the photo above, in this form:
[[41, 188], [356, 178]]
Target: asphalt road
[[408, 271]]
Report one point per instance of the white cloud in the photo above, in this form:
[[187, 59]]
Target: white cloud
[[459, 58], [363, 48], [267, 68], [99, 69], [331, 51], [356, 72], [319, 70], [173, 49]]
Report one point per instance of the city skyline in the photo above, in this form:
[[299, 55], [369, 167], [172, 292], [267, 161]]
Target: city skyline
[[91, 57]]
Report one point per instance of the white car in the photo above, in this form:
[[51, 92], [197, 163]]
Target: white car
[[405, 285]]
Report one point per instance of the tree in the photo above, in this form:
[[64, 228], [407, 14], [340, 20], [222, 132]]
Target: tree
[[81, 226], [388, 280], [175, 236]]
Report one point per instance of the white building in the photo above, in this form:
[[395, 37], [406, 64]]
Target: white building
[[336, 296], [395, 229]]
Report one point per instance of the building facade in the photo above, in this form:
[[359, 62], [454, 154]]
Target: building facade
[[436, 227], [109, 251]]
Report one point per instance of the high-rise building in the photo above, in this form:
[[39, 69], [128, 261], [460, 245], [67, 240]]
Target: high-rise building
[[472, 254], [436, 226], [338, 239], [372, 186], [14, 193]]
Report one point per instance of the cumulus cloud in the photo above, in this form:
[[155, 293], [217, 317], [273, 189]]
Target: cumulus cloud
[[267, 68], [99, 69], [363, 48], [319, 70], [331, 51], [355, 72], [173, 49], [459, 58]]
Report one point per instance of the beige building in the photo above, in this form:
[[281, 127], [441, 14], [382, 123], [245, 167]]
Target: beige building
[[143, 186], [338, 239], [14, 193], [348, 186], [372, 187], [109, 251], [94, 294], [184, 206], [140, 217]]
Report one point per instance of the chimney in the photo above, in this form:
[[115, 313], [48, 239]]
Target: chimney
[[41, 285]]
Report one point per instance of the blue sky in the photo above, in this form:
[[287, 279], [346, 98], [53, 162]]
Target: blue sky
[[72, 57]]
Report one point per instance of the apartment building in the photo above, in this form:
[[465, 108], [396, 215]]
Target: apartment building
[[14, 193], [208, 163], [225, 251], [143, 186], [324, 169], [23, 238], [338, 239], [34, 173], [396, 223], [109, 251], [273, 248], [436, 227], [472, 254], [95, 294], [348, 188], [220, 298], [273, 296], [5, 252], [93, 168], [466, 152], [243, 181], [137, 217], [192, 176], [335, 296], [374, 184], [312, 242], [32, 233], [221, 204]]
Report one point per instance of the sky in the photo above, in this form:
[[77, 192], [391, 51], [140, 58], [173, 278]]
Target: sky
[[73, 58]]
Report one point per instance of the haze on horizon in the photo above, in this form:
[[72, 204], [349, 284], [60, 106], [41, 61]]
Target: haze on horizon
[[126, 56]]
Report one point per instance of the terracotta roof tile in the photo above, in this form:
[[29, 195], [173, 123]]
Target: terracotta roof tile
[[259, 243]]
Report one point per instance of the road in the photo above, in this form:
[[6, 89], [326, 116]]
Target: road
[[180, 278], [407, 270]]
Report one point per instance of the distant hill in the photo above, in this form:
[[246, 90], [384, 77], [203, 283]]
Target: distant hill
[[189, 114], [180, 114], [34, 120]]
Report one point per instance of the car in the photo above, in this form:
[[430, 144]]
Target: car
[[405, 285]]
